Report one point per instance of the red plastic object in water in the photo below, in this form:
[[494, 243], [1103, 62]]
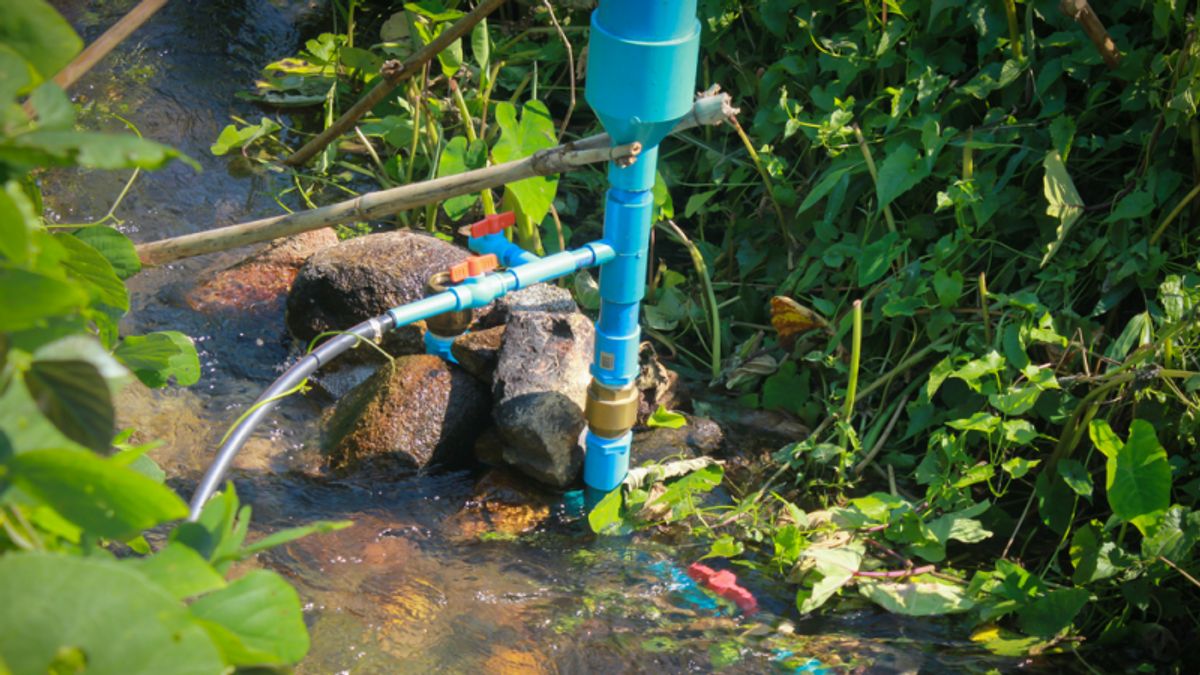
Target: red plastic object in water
[[493, 224], [724, 584]]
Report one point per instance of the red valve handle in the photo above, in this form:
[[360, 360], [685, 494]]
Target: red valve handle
[[473, 267], [493, 224]]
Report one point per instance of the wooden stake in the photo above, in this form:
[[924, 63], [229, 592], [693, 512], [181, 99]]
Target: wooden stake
[[393, 73]]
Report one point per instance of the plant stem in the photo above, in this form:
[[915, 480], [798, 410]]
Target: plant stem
[[1174, 214], [714, 317], [489, 205], [866, 153], [983, 307], [855, 359], [768, 184]]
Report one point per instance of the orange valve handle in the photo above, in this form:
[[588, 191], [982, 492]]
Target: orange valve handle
[[473, 267], [493, 224]]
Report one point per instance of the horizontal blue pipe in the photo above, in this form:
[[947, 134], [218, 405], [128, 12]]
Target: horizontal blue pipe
[[508, 253]]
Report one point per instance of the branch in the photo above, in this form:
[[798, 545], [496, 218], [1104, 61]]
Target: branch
[[1082, 13]]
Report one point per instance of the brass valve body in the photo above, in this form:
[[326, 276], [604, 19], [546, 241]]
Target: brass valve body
[[611, 412]]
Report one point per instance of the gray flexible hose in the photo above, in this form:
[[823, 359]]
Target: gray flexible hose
[[370, 329]]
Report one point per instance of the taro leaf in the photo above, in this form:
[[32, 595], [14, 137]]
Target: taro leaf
[[179, 570], [1056, 502], [1138, 475], [36, 31], [1174, 535], [157, 357], [30, 298], [914, 598], [74, 396], [114, 246], [256, 620], [1076, 476], [1063, 202], [519, 139], [104, 499], [1093, 559], [901, 170], [666, 419], [89, 149], [123, 623], [1047, 616], [92, 269], [459, 156], [836, 568]]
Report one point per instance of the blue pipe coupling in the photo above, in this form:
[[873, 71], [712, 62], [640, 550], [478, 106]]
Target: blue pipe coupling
[[606, 462], [611, 413]]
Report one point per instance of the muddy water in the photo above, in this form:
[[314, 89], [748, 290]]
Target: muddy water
[[412, 587]]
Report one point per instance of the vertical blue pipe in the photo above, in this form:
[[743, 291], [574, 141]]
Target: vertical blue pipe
[[642, 57]]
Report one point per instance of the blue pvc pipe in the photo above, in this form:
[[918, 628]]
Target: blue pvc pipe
[[508, 253]]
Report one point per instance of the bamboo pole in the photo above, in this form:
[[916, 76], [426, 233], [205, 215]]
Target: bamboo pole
[[112, 37], [708, 110], [1081, 11], [393, 73]]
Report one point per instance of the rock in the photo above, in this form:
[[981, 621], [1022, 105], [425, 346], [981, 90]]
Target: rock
[[656, 383], [478, 351], [424, 411], [260, 281], [540, 389], [536, 298], [502, 503], [700, 436], [363, 277]]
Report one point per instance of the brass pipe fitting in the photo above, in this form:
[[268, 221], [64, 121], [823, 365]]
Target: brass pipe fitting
[[610, 412], [450, 324]]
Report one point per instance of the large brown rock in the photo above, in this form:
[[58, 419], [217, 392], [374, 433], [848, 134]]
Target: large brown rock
[[363, 277], [540, 389], [423, 411], [260, 281], [478, 351]]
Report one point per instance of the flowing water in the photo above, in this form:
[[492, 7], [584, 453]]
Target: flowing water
[[412, 587]]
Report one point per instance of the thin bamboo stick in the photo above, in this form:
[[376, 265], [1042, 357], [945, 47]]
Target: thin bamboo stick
[[708, 110], [393, 74]]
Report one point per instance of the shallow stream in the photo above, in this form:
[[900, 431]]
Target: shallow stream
[[412, 587]]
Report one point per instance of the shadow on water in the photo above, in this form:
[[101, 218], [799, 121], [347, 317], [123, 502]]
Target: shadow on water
[[412, 587]]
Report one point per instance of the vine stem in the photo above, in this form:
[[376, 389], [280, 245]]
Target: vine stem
[[711, 297], [489, 204], [769, 184], [1174, 214], [866, 153]]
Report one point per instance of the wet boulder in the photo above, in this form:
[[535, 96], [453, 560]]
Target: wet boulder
[[502, 503], [260, 282], [539, 390], [363, 277], [700, 436], [420, 412], [478, 351]]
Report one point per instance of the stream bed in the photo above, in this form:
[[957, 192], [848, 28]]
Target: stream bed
[[412, 586]]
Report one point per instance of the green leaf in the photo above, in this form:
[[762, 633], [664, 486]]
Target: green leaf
[[1138, 475], [1063, 202], [53, 108], [1017, 467], [1047, 616], [947, 287], [179, 570], [1015, 401], [973, 371], [605, 517], [666, 419], [114, 246], [157, 357], [36, 31], [480, 45], [725, 547], [233, 137], [834, 568], [459, 156], [104, 499], [31, 298], [293, 533], [519, 139], [88, 149], [124, 623], [1076, 476], [93, 270], [914, 598], [900, 172], [17, 221], [826, 185], [877, 258], [1091, 559], [75, 397], [256, 620]]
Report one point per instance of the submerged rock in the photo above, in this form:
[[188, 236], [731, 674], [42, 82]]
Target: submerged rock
[[260, 281], [423, 411], [502, 503], [540, 389], [363, 277], [700, 436]]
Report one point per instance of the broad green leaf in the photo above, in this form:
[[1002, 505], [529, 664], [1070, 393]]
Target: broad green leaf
[[1174, 535], [681, 491], [54, 110], [973, 371], [1076, 476], [1019, 431], [834, 569], [666, 419], [518, 139], [1017, 467], [948, 287], [114, 246], [1047, 616], [1015, 401], [75, 397], [1063, 202], [31, 298], [1104, 438], [36, 31], [900, 171], [179, 570], [826, 185], [88, 149], [724, 547], [457, 157], [605, 517], [104, 499], [94, 272], [982, 422], [124, 623], [878, 256], [256, 620], [158, 357], [480, 45], [915, 598], [233, 137], [17, 221], [16, 74], [1056, 501], [1138, 476], [1093, 559]]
